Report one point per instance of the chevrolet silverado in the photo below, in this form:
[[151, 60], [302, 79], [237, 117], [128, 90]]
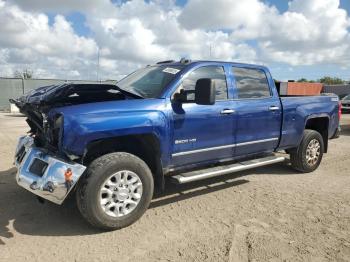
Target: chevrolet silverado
[[112, 144]]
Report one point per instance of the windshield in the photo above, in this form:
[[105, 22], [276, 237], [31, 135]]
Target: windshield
[[149, 82]]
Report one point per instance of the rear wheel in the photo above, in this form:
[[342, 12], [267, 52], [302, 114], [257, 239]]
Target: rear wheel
[[116, 191], [308, 155]]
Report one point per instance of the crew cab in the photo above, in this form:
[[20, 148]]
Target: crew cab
[[112, 144]]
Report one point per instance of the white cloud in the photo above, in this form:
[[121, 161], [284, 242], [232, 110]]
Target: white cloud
[[29, 41], [246, 17], [310, 32], [135, 33], [63, 6], [144, 33]]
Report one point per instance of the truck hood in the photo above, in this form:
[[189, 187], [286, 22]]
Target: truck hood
[[38, 104], [44, 98]]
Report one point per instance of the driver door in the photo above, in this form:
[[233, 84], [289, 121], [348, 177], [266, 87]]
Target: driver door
[[203, 133]]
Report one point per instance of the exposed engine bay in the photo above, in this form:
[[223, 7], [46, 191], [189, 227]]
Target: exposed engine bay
[[37, 103]]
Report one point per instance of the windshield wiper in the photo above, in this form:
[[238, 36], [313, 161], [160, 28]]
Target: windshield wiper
[[133, 94]]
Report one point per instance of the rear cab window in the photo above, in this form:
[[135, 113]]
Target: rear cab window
[[251, 83]]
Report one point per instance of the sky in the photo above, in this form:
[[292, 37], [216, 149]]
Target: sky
[[103, 39]]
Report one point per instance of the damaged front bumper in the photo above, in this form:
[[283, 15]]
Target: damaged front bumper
[[44, 174]]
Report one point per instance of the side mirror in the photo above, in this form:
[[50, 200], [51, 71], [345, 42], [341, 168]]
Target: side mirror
[[205, 92], [181, 97]]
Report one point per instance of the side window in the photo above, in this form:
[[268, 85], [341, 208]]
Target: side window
[[216, 73], [251, 83]]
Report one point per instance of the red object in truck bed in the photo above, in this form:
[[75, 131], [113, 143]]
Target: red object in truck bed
[[304, 89]]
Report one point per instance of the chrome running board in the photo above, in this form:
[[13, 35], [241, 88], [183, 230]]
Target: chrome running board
[[223, 170]]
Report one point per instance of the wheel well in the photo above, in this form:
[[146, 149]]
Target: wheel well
[[320, 125], [145, 146]]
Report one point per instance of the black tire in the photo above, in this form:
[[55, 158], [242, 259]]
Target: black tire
[[298, 155], [99, 170]]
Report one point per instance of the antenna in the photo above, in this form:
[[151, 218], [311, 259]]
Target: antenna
[[98, 63]]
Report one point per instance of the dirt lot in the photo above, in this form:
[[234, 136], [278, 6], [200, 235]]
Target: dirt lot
[[266, 214]]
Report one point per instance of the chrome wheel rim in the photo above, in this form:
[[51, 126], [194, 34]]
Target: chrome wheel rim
[[120, 193], [313, 152]]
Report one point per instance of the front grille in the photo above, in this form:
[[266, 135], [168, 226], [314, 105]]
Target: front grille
[[38, 167]]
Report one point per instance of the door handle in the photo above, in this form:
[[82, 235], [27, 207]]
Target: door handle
[[227, 111], [274, 108]]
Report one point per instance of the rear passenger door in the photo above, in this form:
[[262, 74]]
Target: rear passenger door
[[258, 112]]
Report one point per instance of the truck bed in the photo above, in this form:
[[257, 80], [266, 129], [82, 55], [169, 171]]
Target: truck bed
[[298, 109]]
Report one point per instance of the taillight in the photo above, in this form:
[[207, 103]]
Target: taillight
[[339, 111]]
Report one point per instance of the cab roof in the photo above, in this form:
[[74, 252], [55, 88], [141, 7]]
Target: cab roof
[[188, 62]]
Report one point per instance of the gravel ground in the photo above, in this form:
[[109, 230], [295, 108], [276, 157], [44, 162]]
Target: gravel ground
[[265, 214]]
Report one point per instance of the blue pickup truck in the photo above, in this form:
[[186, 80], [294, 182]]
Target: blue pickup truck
[[112, 144]]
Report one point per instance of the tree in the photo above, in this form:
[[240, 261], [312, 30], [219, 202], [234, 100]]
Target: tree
[[25, 74], [304, 80], [332, 80]]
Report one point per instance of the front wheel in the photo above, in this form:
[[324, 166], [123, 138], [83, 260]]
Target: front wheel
[[308, 155], [115, 191]]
